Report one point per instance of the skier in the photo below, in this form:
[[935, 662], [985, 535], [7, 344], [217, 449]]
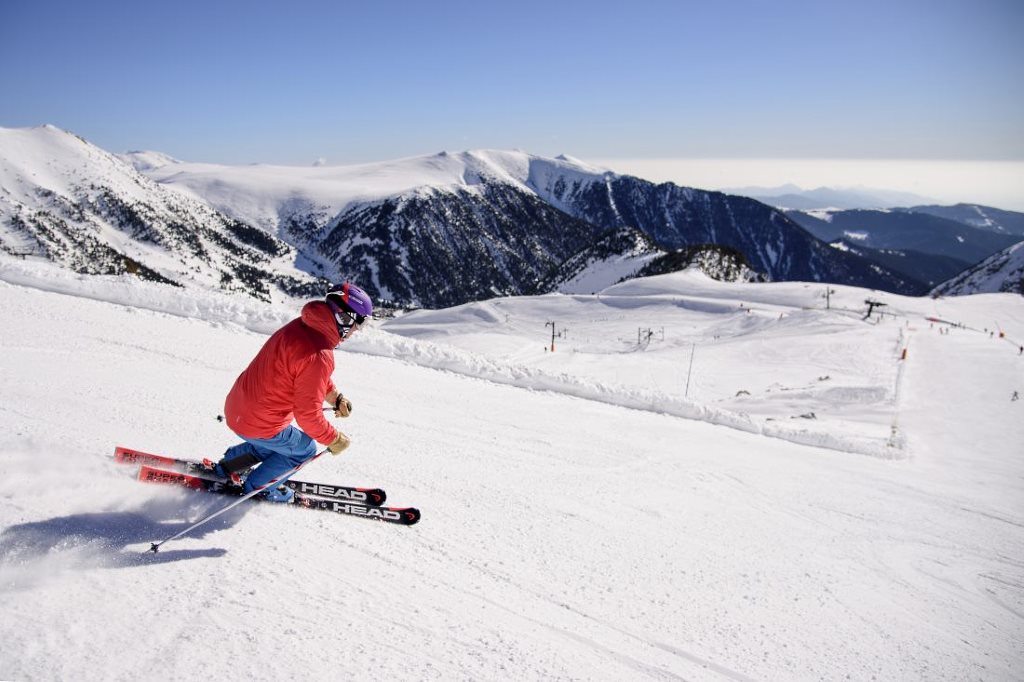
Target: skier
[[291, 378]]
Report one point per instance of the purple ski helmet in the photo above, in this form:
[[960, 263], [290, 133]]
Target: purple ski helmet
[[350, 305]]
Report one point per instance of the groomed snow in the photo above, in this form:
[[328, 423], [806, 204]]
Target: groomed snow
[[569, 531]]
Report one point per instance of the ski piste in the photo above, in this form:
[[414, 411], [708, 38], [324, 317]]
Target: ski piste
[[368, 496], [403, 516]]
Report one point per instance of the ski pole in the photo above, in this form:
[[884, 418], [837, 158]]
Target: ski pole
[[156, 545]]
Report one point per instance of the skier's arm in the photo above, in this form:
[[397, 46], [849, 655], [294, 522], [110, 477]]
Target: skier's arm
[[311, 387]]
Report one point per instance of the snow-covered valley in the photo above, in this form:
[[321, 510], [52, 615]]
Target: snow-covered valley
[[582, 517]]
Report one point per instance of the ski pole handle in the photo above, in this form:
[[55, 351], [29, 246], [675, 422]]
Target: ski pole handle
[[337, 405]]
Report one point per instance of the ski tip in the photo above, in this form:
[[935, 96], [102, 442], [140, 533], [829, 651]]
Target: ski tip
[[411, 515], [131, 456], [121, 452]]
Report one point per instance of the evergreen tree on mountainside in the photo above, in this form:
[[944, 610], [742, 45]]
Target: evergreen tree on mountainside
[[718, 262]]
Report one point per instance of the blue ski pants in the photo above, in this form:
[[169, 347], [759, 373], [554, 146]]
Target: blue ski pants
[[277, 455]]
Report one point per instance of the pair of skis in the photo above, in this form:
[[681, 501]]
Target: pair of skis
[[340, 499]]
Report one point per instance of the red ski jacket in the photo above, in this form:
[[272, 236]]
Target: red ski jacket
[[288, 379]]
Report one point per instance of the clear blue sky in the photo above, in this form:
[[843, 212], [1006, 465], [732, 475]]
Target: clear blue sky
[[290, 82]]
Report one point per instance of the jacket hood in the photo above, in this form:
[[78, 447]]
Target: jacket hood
[[317, 316]]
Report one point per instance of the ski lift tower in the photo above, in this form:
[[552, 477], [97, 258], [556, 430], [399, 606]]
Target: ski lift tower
[[871, 307], [828, 297]]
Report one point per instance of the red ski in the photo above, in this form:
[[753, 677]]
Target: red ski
[[368, 496]]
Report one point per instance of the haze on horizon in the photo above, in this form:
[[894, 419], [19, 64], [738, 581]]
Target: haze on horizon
[[712, 95]]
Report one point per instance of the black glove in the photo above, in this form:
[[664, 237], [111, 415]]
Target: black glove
[[342, 406]]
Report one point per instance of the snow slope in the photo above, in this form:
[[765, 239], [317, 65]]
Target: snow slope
[[1002, 271], [601, 274], [766, 358], [563, 536]]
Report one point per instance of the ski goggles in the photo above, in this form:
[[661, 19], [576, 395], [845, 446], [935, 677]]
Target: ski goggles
[[347, 321]]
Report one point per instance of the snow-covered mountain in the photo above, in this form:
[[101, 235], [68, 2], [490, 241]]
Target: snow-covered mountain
[[900, 229], [1001, 272], [677, 217], [147, 161], [928, 268], [387, 223], [625, 253], [433, 231], [976, 215], [70, 202], [720, 263], [615, 256]]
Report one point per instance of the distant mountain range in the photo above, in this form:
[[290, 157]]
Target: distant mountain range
[[981, 217], [928, 268], [905, 229], [792, 197], [429, 231], [917, 242]]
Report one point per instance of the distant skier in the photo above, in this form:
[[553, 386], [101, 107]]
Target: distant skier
[[291, 378]]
